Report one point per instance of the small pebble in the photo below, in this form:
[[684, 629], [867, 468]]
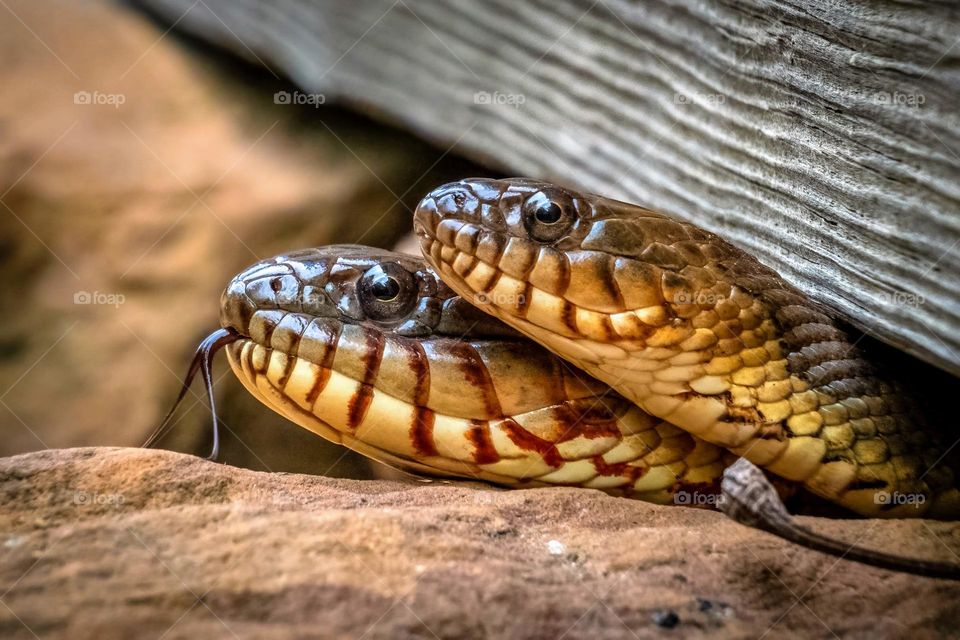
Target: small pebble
[[666, 619], [717, 608], [556, 548]]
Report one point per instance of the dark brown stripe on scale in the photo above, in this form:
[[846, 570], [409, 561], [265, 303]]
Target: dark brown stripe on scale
[[374, 342], [609, 332], [250, 364], [577, 419], [474, 261], [484, 451], [611, 281], [564, 276], [475, 372], [291, 349], [358, 405], [497, 274], [632, 472], [466, 238], [320, 380], [568, 315], [420, 366], [530, 256], [529, 442], [523, 302], [269, 326], [421, 432], [333, 341], [488, 239], [360, 401], [288, 366], [319, 341]]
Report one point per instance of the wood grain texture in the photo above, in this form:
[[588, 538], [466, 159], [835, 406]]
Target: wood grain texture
[[824, 137]]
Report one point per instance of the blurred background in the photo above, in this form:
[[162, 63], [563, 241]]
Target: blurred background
[[139, 171]]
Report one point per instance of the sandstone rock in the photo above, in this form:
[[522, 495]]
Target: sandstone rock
[[119, 543]]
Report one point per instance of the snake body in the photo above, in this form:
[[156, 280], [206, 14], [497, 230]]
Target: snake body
[[370, 349], [695, 332]]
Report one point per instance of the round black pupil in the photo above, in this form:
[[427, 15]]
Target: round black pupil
[[548, 213], [385, 288]]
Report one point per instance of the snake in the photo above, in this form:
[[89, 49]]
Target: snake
[[695, 332], [370, 349]]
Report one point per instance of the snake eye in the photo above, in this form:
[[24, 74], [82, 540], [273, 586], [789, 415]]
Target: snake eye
[[548, 215], [387, 292], [385, 289]]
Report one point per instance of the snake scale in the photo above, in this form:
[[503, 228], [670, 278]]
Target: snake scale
[[370, 349], [549, 337], [694, 331]]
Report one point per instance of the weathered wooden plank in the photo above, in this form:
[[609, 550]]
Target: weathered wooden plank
[[823, 136]]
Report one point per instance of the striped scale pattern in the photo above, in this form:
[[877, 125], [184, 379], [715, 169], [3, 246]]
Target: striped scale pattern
[[494, 409], [695, 332]]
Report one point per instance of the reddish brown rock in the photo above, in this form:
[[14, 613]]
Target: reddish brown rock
[[119, 543]]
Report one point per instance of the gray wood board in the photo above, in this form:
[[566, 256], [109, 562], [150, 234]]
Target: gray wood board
[[823, 137]]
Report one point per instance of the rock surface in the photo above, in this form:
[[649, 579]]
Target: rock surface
[[119, 543]]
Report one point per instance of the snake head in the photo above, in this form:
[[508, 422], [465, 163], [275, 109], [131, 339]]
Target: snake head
[[348, 284], [367, 347], [565, 266]]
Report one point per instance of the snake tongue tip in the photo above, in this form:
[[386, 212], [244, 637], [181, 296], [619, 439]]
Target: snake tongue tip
[[202, 362]]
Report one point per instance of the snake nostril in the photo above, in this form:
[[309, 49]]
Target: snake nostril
[[276, 284]]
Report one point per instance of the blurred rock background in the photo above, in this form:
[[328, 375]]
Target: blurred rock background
[[138, 172]]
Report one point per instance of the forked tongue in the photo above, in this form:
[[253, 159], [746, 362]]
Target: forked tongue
[[203, 362]]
